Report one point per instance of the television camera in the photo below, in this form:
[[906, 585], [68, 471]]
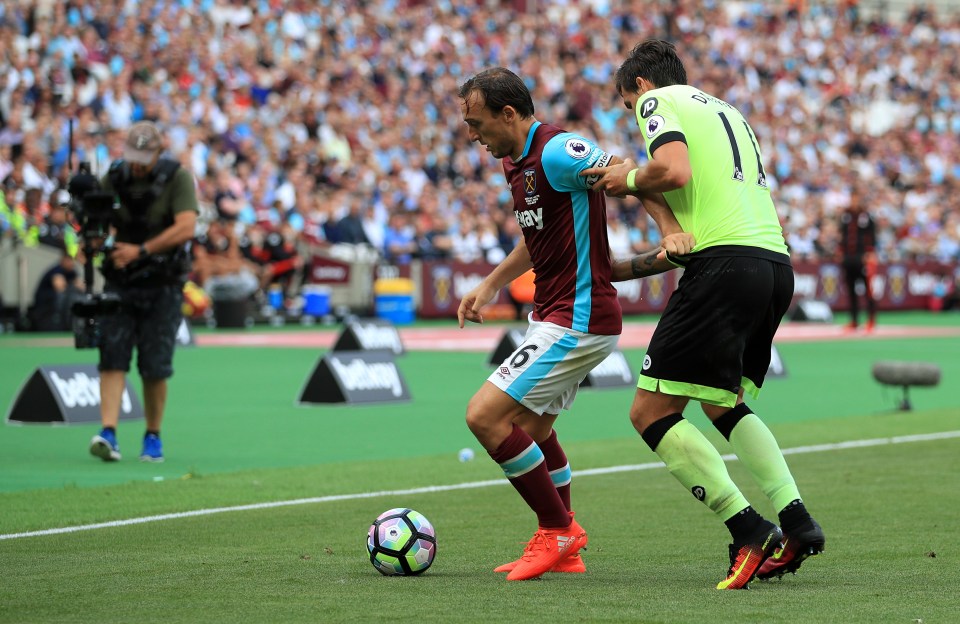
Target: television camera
[[93, 209]]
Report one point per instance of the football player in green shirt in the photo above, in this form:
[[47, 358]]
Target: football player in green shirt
[[713, 342]]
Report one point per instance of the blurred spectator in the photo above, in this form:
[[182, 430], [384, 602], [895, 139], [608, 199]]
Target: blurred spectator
[[465, 241], [498, 240], [350, 228], [227, 195], [618, 234], [274, 255], [59, 287], [430, 240], [281, 110], [398, 242], [644, 234], [858, 239], [803, 243], [219, 266], [55, 230]]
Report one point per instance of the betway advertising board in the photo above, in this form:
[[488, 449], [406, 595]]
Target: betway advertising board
[[355, 377], [369, 335], [897, 286], [67, 394], [443, 284]]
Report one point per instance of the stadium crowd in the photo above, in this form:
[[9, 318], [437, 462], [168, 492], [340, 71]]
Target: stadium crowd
[[319, 123]]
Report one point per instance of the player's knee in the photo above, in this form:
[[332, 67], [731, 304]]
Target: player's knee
[[477, 417], [648, 408], [713, 411], [488, 423], [639, 418]]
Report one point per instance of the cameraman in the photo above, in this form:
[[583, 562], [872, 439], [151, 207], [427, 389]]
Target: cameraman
[[146, 268]]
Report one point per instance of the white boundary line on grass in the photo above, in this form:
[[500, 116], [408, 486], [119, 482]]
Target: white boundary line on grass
[[852, 444]]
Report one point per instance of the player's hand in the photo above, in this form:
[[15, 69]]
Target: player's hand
[[472, 303], [612, 180], [679, 244]]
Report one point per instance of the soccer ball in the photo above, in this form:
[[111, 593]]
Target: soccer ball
[[401, 542]]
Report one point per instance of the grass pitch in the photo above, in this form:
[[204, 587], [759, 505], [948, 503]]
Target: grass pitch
[[889, 509]]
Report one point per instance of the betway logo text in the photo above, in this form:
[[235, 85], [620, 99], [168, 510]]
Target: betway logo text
[[378, 337], [530, 218], [360, 375], [82, 390]]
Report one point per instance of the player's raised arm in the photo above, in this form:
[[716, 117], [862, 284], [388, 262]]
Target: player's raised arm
[[668, 170]]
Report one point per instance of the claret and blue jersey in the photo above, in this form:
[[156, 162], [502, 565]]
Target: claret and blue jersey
[[564, 227]]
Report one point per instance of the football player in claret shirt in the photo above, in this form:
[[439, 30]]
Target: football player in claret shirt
[[576, 317], [713, 341]]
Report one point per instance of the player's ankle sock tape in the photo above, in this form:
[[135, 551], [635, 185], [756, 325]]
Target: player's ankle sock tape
[[655, 432], [743, 525], [729, 419], [793, 516]]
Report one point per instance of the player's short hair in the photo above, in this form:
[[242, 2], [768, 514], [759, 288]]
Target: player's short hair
[[655, 60], [500, 87]]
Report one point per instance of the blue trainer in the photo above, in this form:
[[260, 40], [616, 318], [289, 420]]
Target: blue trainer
[[152, 448], [104, 445]]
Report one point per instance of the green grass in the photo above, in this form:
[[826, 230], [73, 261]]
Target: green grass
[[233, 409], [234, 437], [654, 556]]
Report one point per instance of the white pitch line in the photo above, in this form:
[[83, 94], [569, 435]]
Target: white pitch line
[[852, 444]]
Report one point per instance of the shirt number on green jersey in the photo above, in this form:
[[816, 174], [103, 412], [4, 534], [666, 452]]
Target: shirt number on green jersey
[[737, 163]]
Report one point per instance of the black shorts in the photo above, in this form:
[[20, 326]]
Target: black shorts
[[716, 332], [148, 320]]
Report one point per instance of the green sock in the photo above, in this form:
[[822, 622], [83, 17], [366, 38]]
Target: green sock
[[759, 453], [698, 466]]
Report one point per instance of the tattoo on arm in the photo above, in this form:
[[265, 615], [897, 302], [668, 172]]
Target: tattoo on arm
[[642, 265]]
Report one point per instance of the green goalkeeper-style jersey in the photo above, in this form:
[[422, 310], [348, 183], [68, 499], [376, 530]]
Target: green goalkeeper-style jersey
[[727, 200]]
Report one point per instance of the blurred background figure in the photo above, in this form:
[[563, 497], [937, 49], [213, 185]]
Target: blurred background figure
[[618, 233], [55, 229], [274, 257], [858, 238], [274, 140], [59, 287], [219, 266], [398, 242]]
